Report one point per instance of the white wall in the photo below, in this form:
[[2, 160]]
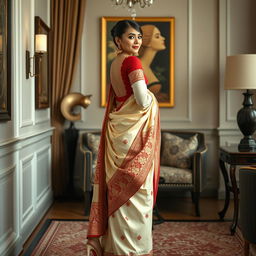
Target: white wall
[[236, 36], [25, 141], [205, 33]]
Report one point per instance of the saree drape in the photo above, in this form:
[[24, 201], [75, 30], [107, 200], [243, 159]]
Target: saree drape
[[128, 161]]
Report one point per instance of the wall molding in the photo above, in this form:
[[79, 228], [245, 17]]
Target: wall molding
[[45, 119], [7, 171], [26, 162], [6, 241], [8, 175], [40, 154], [41, 133]]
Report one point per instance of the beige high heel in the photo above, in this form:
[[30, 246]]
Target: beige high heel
[[93, 248]]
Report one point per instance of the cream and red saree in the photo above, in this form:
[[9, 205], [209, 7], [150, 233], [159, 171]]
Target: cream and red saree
[[126, 178]]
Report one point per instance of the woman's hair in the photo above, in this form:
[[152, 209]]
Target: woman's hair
[[121, 26], [147, 31]]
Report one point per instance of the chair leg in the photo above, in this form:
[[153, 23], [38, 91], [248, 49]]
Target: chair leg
[[192, 197], [87, 203], [246, 248], [195, 199], [156, 213]]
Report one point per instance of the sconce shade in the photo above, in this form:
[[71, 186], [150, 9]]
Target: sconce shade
[[240, 72], [41, 43]]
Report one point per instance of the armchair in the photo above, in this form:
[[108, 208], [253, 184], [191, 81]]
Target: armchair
[[188, 174], [247, 183], [89, 143], [171, 178]]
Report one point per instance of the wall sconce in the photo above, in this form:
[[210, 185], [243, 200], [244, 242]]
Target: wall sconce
[[40, 49]]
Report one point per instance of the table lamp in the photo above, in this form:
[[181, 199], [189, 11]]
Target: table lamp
[[241, 75]]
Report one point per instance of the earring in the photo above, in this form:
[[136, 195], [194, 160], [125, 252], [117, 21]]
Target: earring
[[119, 50]]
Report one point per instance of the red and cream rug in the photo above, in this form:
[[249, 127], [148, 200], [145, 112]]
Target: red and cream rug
[[170, 239]]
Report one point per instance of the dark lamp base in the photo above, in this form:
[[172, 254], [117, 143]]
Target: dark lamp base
[[246, 120], [247, 144]]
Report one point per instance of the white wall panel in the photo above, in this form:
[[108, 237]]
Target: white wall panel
[[42, 9], [29, 131], [43, 174], [27, 85], [42, 116], [236, 37], [26, 188], [7, 207]]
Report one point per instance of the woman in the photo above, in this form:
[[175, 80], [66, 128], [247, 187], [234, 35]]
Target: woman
[[127, 169], [152, 43]]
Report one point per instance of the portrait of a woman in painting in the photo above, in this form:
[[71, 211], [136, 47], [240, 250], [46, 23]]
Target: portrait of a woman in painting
[[153, 42]]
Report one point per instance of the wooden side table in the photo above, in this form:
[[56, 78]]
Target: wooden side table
[[233, 157]]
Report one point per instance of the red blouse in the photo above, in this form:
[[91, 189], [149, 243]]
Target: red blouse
[[131, 71]]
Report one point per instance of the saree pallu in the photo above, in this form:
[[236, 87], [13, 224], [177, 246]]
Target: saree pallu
[[126, 179]]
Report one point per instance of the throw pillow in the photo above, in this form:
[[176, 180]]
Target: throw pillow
[[175, 175], [176, 151]]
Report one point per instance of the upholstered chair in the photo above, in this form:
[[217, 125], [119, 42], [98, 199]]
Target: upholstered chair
[[182, 163], [247, 186], [182, 154], [89, 143]]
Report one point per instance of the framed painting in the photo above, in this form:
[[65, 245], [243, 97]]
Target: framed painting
[[156, 54], [5, 60], [42, 79]]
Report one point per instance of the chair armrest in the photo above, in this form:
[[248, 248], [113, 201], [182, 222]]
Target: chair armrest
[[198, 162], [87, 167], [201, 150]]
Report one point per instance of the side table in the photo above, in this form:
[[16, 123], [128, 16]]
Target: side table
[[232, 156]]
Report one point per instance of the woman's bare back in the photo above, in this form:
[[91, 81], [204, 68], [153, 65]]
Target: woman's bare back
[[116, 76]]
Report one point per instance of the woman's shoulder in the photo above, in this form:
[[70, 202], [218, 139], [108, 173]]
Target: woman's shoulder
[[132, 62], [132, 59]]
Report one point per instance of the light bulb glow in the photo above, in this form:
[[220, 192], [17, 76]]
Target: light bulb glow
[[41, 43]]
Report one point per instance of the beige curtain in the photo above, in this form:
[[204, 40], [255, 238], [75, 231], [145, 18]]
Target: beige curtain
[[67, 17]]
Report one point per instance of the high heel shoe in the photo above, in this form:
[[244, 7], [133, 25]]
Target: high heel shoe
[[94, 248]]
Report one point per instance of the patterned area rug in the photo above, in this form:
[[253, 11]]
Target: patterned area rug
[[170, 239]]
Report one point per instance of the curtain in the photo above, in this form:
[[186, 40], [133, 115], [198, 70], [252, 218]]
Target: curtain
[[67, 19]]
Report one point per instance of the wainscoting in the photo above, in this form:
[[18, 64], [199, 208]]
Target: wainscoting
[[25, 188]]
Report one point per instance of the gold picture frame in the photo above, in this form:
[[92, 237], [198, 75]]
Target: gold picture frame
[[42, 80], [162, 65], [5, 60]]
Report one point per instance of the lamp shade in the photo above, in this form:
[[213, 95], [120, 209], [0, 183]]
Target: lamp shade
[[41, 43], [240, 72]]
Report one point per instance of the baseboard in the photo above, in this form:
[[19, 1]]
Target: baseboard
[[28, 229], [14, 248]]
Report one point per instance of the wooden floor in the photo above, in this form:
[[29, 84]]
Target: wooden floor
[[169, 208]]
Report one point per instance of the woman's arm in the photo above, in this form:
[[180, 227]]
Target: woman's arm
[[142, 97], [137, 81]]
